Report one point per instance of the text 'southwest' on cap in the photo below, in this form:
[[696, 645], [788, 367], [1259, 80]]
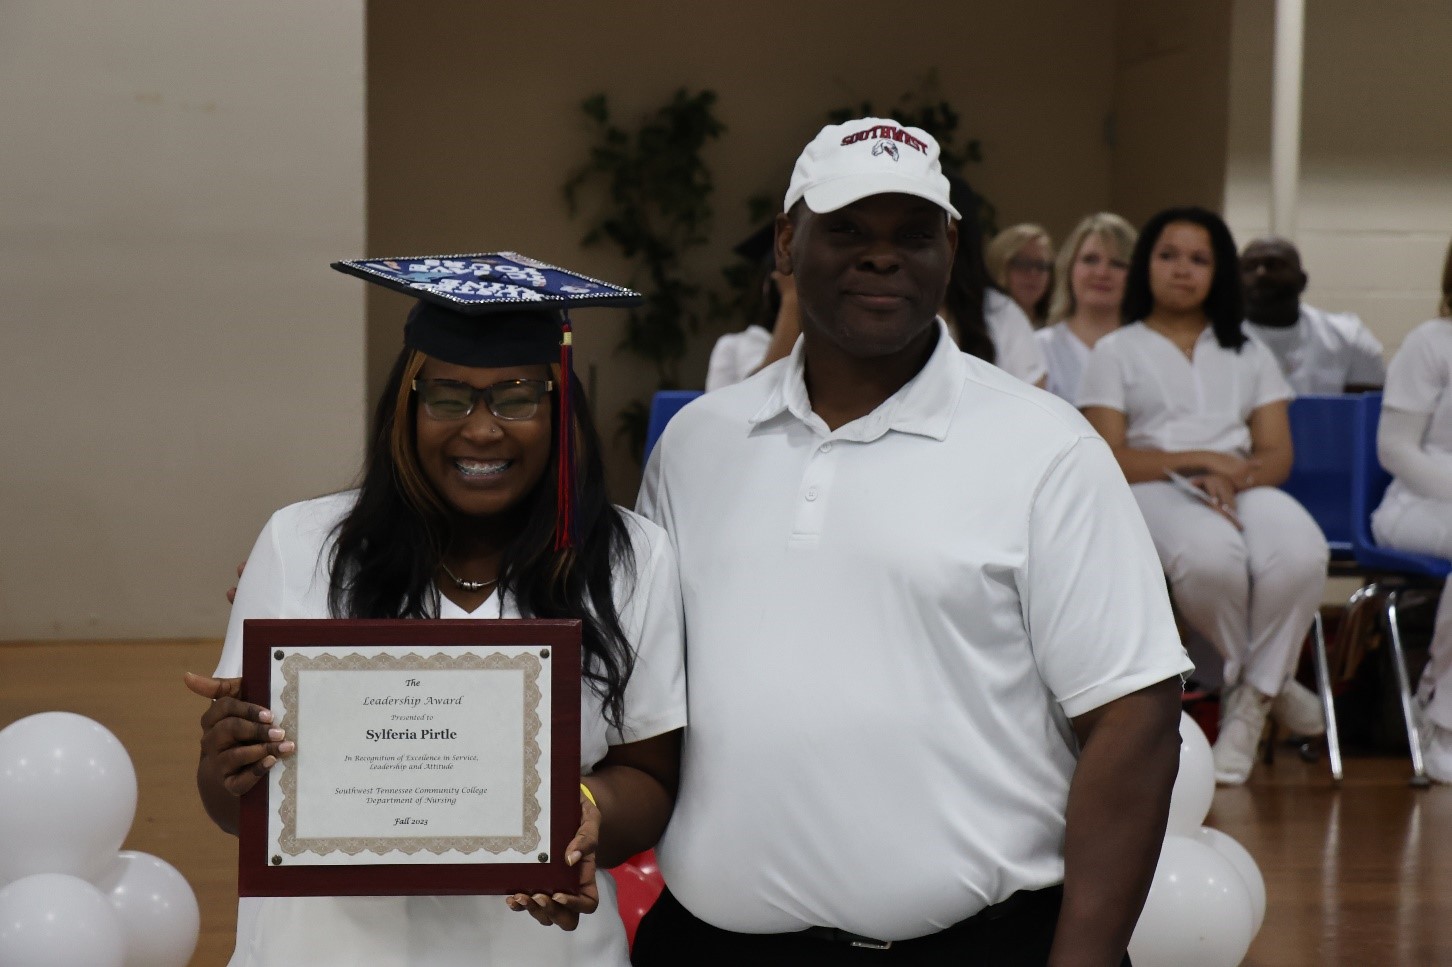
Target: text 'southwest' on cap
[[847, 162]]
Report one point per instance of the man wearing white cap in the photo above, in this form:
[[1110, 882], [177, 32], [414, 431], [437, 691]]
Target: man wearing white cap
[[933, 675]]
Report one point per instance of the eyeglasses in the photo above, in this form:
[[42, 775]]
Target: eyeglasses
[[512, 399], [1020, 263]]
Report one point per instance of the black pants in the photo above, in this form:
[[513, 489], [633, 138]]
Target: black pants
[[1015, 933]]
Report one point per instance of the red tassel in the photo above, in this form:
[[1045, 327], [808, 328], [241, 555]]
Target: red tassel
[[565, 535]]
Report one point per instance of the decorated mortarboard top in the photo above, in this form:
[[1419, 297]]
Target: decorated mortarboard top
[[488, 308], [489, 282]]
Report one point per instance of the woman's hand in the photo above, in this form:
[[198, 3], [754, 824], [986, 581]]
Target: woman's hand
[[232, 591], [1221, 490], [239, 742], [563, 910], [1238, 470]]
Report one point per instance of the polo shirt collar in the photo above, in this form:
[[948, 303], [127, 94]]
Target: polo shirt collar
[[924, 406]]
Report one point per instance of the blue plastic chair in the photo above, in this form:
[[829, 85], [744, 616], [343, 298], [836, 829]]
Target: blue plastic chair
[[665, 404], [1397, 570], [1323, 432]]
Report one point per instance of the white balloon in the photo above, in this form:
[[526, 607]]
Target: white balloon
[[1244, 864], [1198, 911], [56, 920], [157, 909], [1194, 783], [67, 795]]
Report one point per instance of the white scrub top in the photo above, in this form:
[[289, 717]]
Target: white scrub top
[[1174, 403], [1015, 349], [287, 577], [736, 356], [1419, 380], [1324, 352], [1066, 355]]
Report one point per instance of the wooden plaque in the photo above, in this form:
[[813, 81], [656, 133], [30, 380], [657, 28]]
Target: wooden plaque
[[433, 757]]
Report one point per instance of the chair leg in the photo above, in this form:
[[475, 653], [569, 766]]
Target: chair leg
[[1404, 686], [1323, 685]]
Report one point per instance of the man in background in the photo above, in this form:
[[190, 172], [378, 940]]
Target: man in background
[[1319, 351]]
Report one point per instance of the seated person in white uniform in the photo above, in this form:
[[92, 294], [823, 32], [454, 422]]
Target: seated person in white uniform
[[1088, 293], [1184, 391], [982, 320], [457, 517], [926, 686], [1414, 442], [1020, 262], [1318, 351], [737, 355]]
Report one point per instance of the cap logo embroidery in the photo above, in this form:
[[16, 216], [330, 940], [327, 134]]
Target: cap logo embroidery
[[887, 132], [885, 147]]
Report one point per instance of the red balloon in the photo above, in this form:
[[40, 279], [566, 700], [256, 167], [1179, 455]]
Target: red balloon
[[638, 885]]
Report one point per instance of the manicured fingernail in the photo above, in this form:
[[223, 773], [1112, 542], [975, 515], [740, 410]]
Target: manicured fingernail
[[541, 899], [572, 857], [275, 735], [264, 716], [269, 762], [287, 748], [559, 898]]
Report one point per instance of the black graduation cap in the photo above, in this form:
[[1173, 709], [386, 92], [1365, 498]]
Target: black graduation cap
[[758, 245], [491, 309]]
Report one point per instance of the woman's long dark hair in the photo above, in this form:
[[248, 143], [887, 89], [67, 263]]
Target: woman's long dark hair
[[388, 549], [970, 281], [1224, 305]]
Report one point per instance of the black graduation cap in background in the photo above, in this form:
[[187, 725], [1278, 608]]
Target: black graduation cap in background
[[495, 309], [757, 246]]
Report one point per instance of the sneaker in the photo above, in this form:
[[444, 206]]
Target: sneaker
[[1437, 752], [1243, 712], [1299, 710]]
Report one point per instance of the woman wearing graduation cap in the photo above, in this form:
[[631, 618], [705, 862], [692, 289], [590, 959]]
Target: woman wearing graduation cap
[[482, 496]]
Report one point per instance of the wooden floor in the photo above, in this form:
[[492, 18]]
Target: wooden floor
[[1360, 875]]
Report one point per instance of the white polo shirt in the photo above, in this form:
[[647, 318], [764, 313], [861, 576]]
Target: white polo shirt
[[887, 627], [287, 577], [1420, 381], [736, 356], [1324, 352], [1065, 354], [1014, 347], [1175, 403]]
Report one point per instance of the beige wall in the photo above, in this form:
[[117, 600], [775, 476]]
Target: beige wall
[[1375, 209], [1171, 67], [473, 130], [178, 359]]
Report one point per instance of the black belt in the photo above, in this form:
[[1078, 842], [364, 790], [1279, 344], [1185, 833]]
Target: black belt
[[995, 912]]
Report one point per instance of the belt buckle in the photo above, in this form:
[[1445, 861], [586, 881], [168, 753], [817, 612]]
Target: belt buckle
[[867, 943]]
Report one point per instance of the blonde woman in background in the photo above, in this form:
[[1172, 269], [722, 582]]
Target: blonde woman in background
[[1087, 293], [1414, 442], [1021, 263]]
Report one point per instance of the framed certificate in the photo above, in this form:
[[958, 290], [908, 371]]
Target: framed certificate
[[433, 757]]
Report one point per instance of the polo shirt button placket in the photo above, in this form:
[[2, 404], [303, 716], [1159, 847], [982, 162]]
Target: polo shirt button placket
[[807, 522]]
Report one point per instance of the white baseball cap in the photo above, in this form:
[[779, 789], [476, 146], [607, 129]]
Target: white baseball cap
[[870, 156]]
